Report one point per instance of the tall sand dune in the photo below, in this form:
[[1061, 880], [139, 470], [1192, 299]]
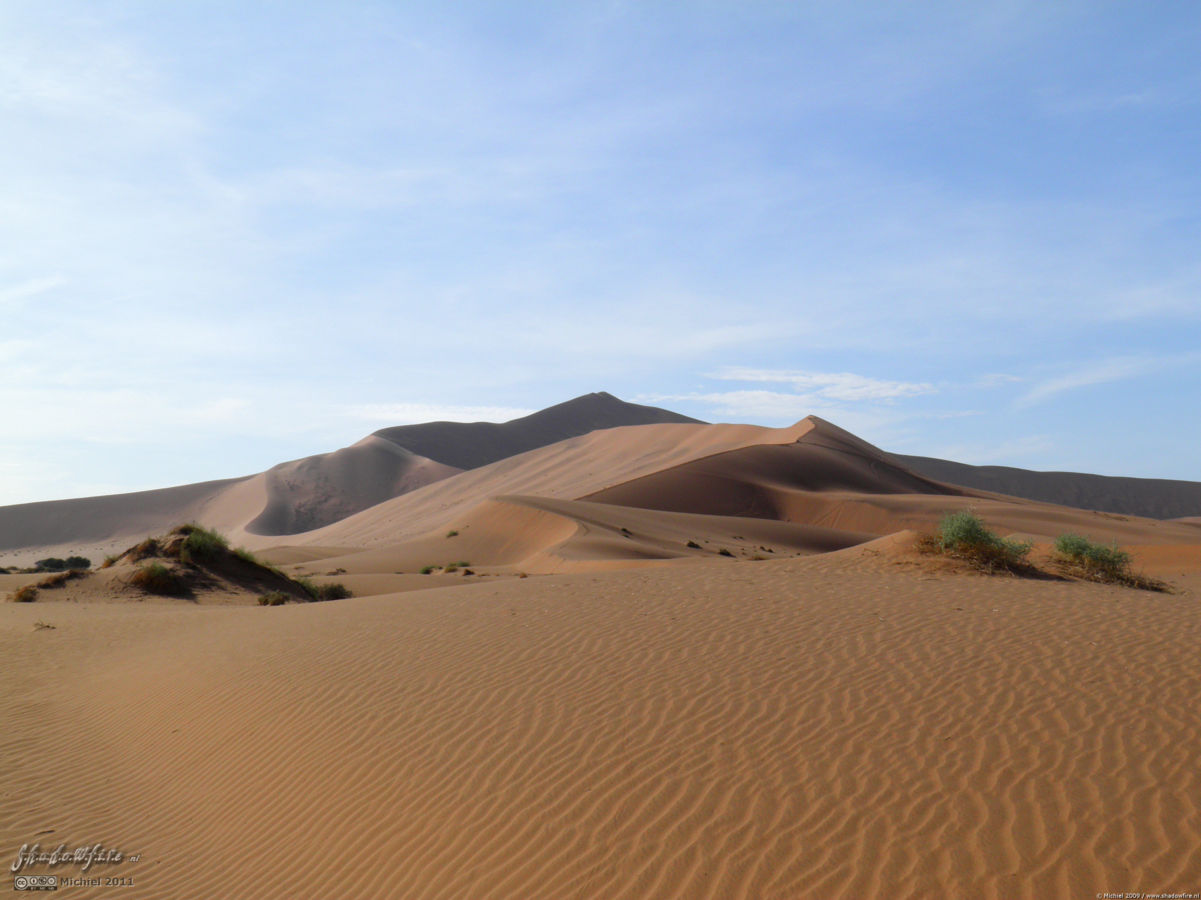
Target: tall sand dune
[[309, 493]]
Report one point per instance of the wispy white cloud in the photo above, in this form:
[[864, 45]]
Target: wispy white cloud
[[1105, 371], [843, 386], [30, 287]]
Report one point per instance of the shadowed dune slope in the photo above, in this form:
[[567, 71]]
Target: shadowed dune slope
[[758, 481], [469, 445], [1154, 498], [315, 491], [787, 730]]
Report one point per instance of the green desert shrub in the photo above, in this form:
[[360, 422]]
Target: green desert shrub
[[1097, 558], [275, 598], [201, 544], [964, 535], [425, 570], [1098, 562], [158, 579]]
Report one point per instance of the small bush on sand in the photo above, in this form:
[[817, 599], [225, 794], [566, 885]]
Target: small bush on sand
[[158, 579], [1097, 562], [724, 552], [425, 570], [693, 545], [452, 533], [275, 598], [109, 561], [201, 544], [963, 535], [54, 564], [333, 591], [27, 594]]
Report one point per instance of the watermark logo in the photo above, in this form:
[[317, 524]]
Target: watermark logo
[[35, 882], [84, 857]]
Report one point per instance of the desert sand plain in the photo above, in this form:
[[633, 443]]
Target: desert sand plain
[[690, 660]]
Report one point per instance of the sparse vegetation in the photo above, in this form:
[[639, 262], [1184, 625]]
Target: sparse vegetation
[[26, 594], [275, 598], [452, 533], [246, 556], [963, 535], [468, 572], [109, 560], [1097, 562], [425, 570], [450, 568], [693, 545], [724, 552], [158, 579], [201, 544], [462, 564]]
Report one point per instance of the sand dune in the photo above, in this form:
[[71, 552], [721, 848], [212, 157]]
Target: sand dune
[[566, 470], [808, 728]]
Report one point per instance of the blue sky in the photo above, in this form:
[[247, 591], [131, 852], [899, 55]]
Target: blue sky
[[233, 234]]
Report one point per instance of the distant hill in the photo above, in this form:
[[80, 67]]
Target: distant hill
[[471, 445], [1154, 498]]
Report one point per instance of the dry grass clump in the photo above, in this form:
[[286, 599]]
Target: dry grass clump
[[27, 594], [57, 581], [1079, 556], [275, 598], [158, 579], [144, 550]]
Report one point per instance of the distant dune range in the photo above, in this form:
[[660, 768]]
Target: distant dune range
[[413, 483], [1155, 498]]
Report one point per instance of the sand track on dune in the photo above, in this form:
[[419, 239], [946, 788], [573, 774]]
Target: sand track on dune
[[794, 729]]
